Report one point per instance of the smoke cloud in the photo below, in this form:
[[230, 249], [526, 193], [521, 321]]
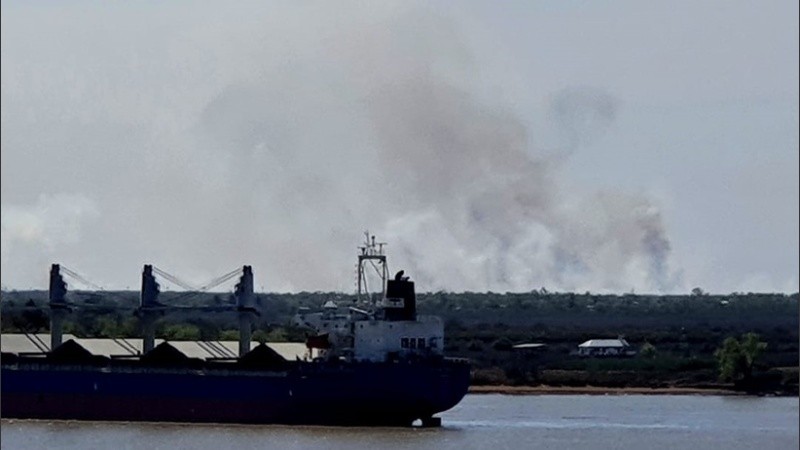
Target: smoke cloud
[[34, 234], [273, 137]]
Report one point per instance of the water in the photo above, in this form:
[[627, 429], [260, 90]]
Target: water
[[480, 421]]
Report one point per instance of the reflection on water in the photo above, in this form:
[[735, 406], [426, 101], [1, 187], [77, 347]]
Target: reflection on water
[[480, 421]]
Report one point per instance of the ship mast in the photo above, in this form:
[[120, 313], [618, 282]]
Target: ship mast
[[371, 253]]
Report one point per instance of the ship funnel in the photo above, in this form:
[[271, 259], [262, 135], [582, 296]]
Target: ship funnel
[[58, 305], [245, 304], [400, 289]]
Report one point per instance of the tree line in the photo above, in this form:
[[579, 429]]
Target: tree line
[[681, 339]]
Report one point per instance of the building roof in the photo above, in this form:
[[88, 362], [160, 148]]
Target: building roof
[[605, 343], [19, 343], [104, 347], [530, 345]]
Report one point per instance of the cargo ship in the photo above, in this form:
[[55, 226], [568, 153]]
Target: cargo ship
[[374, 363]]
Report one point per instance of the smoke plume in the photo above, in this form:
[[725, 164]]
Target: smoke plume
[[273, 137]]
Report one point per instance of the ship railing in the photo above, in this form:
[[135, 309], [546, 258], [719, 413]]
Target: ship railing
[[136, 356], [458, 360], [222, 358], [32, 354]]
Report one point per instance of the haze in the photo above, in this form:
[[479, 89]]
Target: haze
[[576, 146]]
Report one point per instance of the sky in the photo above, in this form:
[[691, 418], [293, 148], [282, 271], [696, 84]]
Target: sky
[[611, 147]]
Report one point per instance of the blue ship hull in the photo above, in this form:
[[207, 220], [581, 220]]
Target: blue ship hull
[[391, 394]]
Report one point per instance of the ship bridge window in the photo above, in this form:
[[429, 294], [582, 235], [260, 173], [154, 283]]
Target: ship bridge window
[[416, 343]]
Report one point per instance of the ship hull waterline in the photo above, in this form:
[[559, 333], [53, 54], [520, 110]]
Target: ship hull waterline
[[373, 394]]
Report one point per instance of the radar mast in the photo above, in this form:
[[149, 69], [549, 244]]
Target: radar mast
[[371, 255]]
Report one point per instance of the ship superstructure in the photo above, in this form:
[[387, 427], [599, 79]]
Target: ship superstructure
[[382, 328]]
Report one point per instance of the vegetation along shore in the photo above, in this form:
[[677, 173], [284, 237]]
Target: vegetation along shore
[[599, 390], [517, 342]]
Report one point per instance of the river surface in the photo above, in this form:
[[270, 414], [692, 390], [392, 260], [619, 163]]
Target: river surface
[[480, 421]]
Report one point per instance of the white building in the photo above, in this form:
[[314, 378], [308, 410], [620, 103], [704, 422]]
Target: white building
[[606, 347]]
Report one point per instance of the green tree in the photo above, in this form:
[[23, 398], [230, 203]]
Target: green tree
[[277, 334], [178, 332], [107, 327], [752, 348], [260, 336], [33, 318], [229, 335], [129, 328], [736, 358], [648, 351]]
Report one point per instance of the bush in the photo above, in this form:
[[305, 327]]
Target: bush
[[502, 344], [181, 333], [564, 377], [475, 346], [491, 376], [229, 335], [648, 350]]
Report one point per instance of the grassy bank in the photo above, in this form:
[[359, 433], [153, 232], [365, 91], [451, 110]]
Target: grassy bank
[[598, 390]]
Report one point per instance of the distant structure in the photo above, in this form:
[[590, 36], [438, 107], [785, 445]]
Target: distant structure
[[606, 347], [528, 346], [245, 305], [58, 305]]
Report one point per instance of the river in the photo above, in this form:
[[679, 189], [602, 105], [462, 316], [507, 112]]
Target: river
[[479, 421]]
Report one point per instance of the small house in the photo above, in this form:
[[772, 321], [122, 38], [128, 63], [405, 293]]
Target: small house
[[606, 347]]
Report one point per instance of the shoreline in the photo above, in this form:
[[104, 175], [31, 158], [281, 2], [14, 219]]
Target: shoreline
[[599, 390]]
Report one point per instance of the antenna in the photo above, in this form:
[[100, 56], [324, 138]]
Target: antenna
[[371, 253]]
